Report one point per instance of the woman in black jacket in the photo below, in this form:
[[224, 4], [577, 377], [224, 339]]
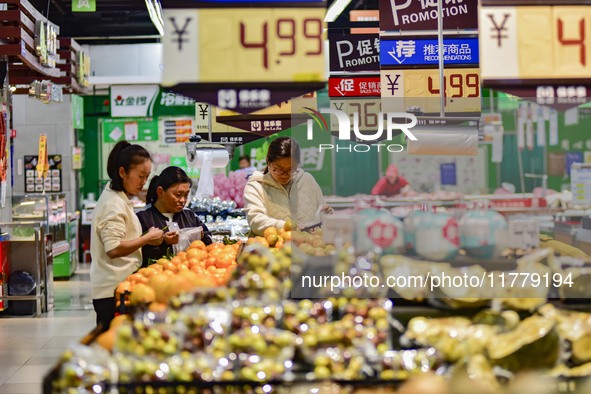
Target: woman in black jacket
[[166, 199]]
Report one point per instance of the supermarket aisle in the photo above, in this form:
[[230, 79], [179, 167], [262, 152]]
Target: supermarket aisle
[[29, 347]]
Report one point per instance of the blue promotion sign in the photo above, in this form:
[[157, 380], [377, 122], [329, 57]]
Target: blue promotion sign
[[421, 51], [573, 157], [448, 174]]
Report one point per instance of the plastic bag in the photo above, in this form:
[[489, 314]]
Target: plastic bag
[[21, 283], [186, 236]]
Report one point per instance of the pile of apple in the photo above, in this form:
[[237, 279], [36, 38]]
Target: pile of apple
[[200, 266], [312, 243], [273, 237]]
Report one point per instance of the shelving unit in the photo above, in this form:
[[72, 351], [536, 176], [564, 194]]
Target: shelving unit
[[34, 255]]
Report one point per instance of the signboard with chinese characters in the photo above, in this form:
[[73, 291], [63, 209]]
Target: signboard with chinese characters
[[244, 98], [353, 52], [535, 45], [270, 120], [354, 87], [558, 96], [148, 100], [240, 45], [421, 51], [404, 89], [133, 100], [422, 15]]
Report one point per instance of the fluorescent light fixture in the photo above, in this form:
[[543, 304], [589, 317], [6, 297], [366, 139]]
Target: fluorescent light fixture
[[335, 10]]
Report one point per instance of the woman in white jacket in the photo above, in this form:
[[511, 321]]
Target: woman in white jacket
[[283, 191]]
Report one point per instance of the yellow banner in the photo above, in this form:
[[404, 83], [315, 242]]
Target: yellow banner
[[42, 161]]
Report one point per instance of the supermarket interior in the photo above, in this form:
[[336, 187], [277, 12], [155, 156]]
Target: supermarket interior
[[313, 196]]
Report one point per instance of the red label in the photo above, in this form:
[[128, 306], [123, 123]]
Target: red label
[[382, 234], [354, 87]]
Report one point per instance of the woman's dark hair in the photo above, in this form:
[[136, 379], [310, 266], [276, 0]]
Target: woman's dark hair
[[124, 155], [281, 148], [244, 158], [170, 176]]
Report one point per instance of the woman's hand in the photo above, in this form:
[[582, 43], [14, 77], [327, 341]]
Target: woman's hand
[[154, 236], [171, 237], [327, 209]]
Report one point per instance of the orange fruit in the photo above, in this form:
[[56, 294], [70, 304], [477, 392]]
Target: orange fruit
[[176, 260], [214, 246], [197, 244], [170, 267], [182, 255], [198, 254], [162, 261], [224, 261], [269, 231]]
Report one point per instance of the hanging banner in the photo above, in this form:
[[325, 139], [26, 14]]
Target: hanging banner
[[353, 52], [407, 15], [354, 87], [421, 51], [545, 45]]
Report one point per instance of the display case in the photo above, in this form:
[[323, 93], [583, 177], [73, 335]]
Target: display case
[[51, 210]]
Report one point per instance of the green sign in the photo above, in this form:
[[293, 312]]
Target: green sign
[[83, 5], [148, 100], [171, 104], [77, 112], [130, 129]]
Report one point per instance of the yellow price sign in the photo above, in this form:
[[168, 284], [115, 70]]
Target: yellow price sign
[[535, 42], [403, 89], [244, 45]]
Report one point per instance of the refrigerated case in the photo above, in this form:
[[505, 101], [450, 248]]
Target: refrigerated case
[[51, 210]]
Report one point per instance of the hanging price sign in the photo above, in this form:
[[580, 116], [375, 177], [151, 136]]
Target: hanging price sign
[[244, 45], [534, 43]]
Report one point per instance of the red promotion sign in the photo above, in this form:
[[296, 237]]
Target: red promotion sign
[[354, 87]]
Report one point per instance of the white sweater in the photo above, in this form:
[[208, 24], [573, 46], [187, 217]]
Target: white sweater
[[268, 204], [113, 221]]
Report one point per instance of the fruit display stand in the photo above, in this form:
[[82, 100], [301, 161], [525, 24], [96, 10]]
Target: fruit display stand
[[280, 343]]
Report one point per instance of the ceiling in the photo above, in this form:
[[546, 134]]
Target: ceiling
[[115, 21]]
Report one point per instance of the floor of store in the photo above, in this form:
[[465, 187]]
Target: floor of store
[[30, 347]]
